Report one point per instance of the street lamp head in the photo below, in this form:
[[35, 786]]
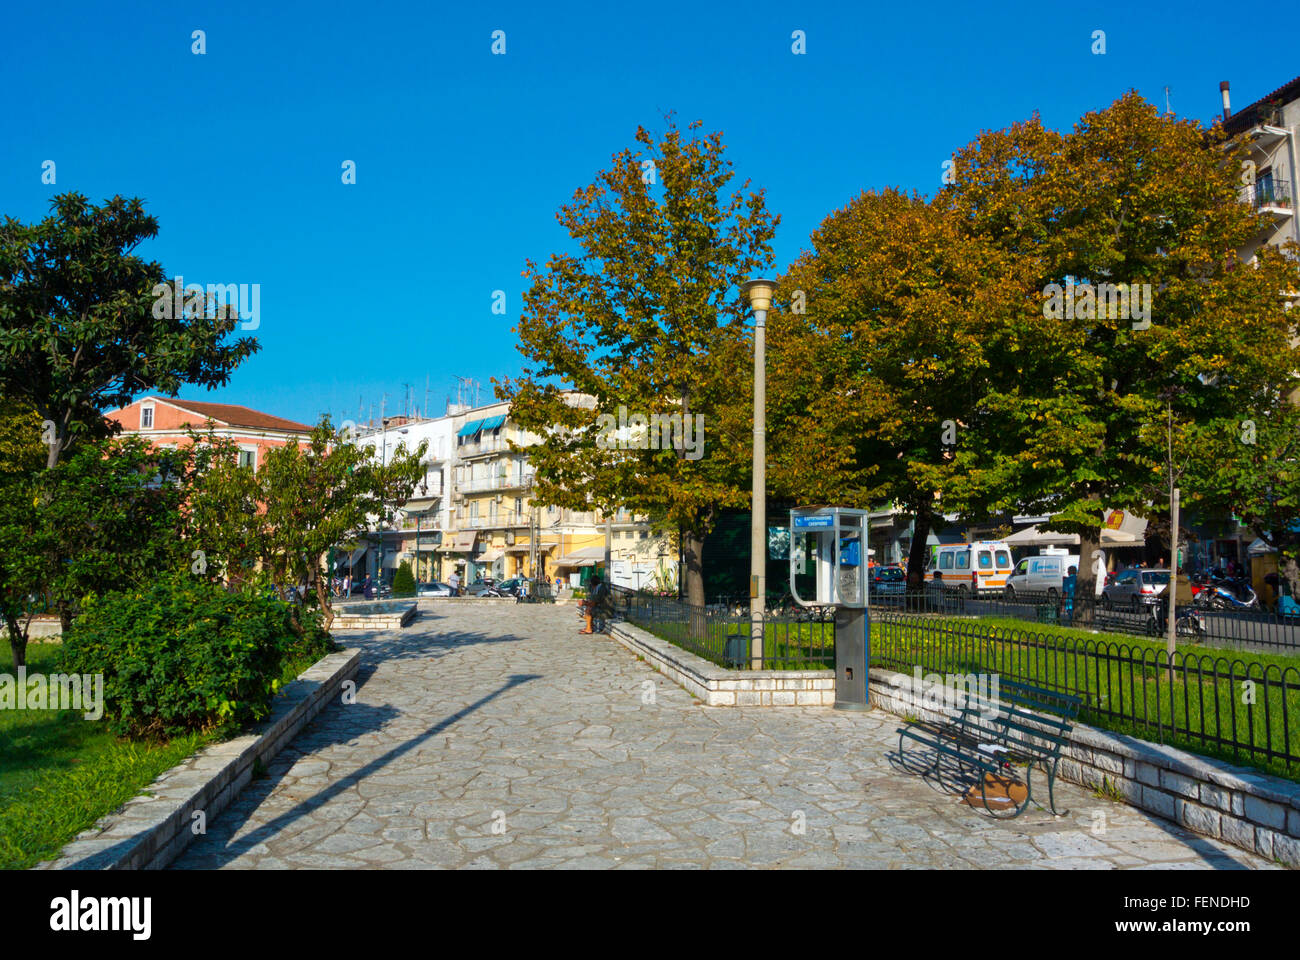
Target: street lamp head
[[759, 293]]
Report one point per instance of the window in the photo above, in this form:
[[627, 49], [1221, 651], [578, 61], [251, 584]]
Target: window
[[963, 561], [1004, 560], [985, 560], [1128, 576], [1022, 568], [248, 458], [945, 561], [146, 418]]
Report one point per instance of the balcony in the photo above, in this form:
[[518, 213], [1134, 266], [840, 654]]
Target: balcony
[[424, 523], [1271, 196], [513, 481], [484, 447], [498, 522]]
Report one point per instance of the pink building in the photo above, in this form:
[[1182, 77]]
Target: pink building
[[162, 420]]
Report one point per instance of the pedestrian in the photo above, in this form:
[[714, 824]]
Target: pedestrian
[[454, 582], [595, 605], [347, 585]]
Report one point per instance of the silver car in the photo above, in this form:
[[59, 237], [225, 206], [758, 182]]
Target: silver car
[[432, 589], [1135, 587]]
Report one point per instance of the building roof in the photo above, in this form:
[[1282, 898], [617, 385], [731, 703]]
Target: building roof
[[235, 415], [1247, 117]]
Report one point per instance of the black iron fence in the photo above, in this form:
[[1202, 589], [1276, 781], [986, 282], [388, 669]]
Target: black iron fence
[[723, 632], [1242, 629], [1241, 708]]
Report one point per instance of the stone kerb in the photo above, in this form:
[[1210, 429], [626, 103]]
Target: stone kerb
[[1238, 805], [718, 687], [152, 829]]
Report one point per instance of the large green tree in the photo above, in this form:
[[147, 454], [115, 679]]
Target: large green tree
[[79, 332], [645, 315], [878, 368], [300, 503], [1077, 395]]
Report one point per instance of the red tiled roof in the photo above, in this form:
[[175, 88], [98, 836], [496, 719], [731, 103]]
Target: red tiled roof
[[1247, 116], [237, 416]]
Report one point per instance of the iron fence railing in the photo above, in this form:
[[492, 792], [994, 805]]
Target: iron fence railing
[[1244, 629], [1247, 709], [722, 632]]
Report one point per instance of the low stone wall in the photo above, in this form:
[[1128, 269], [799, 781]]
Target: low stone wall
[[381, 621], [719, 687], [151, 830], [41, 630], [1237, 805]]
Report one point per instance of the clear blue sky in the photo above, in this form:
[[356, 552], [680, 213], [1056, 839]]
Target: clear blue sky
[[463, 157]]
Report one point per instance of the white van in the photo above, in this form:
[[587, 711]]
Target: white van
[[975, 567], [1044, 575]]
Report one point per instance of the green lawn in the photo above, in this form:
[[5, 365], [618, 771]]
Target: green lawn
[[1124, 681], [59, 773], [786, 646]]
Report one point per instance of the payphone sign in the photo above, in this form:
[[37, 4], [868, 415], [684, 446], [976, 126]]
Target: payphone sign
[[806, 522]]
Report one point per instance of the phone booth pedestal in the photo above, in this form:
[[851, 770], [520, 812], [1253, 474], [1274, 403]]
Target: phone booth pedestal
[[833, 540], [850, 659]]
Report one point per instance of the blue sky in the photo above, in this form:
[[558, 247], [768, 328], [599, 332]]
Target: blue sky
[[464, 157]]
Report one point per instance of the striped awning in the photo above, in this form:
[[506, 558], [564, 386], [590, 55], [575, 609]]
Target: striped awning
[[491, 423], [471, 428]]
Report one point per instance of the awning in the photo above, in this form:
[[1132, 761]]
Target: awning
[[470, 428], [463, 543], [491, 556], [1036, 537], [491, 423], [586, 557], [528, 548]]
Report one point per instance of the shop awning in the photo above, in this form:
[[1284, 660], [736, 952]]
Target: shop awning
[[490, 556], [1037, 537], [527, 548], [462, 543], [491, 423], [470, 428], [586, 557]]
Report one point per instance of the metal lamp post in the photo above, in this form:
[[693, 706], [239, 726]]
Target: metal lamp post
[[759, 294]]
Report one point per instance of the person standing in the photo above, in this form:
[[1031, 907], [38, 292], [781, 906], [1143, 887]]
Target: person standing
[[454, 582]]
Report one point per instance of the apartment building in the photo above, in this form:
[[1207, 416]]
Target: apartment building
[[163, 422], [473, 514], [1269, 125]]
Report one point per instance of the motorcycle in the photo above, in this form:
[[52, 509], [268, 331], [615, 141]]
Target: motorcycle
[[1230, 595]]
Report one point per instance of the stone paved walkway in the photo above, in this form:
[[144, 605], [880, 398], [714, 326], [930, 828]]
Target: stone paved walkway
[[497, 737]]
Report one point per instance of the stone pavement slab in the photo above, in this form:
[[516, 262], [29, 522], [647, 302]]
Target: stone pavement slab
[[497, 737]]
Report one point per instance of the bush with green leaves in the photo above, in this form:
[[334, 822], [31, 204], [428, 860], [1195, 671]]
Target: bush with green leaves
[[403, 581], [186, 654]]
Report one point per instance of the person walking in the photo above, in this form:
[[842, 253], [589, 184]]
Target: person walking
[[595, 605]]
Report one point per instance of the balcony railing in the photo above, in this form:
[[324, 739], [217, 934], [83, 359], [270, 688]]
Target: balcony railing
[[513, 481], [1269, 192], [490, 445], [490, 522]]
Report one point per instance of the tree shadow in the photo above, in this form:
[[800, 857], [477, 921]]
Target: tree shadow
[[257, 791]]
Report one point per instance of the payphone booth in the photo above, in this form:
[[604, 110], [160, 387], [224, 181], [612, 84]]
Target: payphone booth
[[829, 544]]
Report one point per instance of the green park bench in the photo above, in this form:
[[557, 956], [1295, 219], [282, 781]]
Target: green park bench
[[1030, 726]]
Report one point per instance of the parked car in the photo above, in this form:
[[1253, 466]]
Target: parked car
[[886, 584], [378, 591], [479, 587], [1135, 587], [974, 567], [511, 586], [433, 588]]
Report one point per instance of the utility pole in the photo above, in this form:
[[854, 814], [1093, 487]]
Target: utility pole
[[1171, 640]]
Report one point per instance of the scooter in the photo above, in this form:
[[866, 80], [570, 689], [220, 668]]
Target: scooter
[[1231, 595]]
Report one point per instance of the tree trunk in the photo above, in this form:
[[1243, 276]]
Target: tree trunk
[[693, 554], [918, 552], [1085, 584], [327, 610], [17, 640]]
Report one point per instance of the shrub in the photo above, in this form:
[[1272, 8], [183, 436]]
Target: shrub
[[403, 581], [185, 654]]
